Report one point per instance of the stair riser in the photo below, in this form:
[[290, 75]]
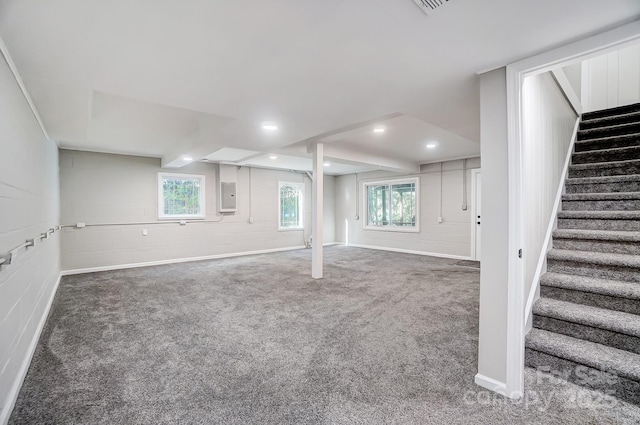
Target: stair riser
[[621, 110], [616, 142], [608, 121], [620, 387], [602, 205], [608, 170], [606, 155], [611, 247], [590, 157], [587, 298], [626, 186], [608, 132], [627, 274]]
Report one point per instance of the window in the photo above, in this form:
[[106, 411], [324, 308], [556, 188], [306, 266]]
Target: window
[[291, 205], [180, 196], [392, 205]]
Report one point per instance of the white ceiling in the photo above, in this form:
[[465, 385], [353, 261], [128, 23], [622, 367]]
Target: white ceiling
[[173, 79]]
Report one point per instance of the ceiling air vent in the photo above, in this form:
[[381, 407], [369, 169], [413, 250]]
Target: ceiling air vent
[[430, 6]]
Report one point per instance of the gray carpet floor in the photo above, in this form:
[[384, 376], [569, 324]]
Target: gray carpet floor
[[383, 338]]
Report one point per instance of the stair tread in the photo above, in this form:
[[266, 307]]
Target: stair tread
[[613, 288], [601, 151], [608, 164], [623, 363], [598, 258], [618, 215], [608, 118], [600, 235], [615, 127], [597, 196], [616, 321], [611, 112], [604, 179]]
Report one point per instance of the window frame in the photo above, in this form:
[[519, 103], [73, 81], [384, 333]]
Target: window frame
[[390, 227], [301, 188], [201, 197]]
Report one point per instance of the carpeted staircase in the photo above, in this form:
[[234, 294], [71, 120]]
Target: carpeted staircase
[[586, 324]]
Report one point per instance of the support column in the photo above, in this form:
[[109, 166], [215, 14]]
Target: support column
[[317, 218]]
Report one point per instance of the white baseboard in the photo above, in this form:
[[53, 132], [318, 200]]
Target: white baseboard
[[491, 384], [496, 386], [5, 413], [409, 251], [176, 260]]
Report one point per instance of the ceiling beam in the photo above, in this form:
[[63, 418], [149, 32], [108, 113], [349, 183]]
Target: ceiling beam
[[355, 157]]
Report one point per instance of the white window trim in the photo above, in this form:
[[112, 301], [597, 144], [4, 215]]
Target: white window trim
[[163, 216], [390, 228], [301, 186]]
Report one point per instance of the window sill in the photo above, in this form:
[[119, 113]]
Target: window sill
[[290, 229], [393, 229], [181, 217]]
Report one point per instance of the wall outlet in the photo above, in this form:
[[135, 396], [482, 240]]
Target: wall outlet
[[439, 219], [145, 232], [183, 222], [80, 225], [250, 220]]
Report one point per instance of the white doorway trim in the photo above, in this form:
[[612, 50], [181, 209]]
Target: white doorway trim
[[474, 212], [515, 73]]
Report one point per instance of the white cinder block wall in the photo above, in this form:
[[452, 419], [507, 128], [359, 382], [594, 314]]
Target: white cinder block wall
[[452, 237], [29, 206], [105, 188]]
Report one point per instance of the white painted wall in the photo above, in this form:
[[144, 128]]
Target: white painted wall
[[492, 344], [548, 125], [612, 79], [452, 237], [573, 73], [105, 188], [28, 207]]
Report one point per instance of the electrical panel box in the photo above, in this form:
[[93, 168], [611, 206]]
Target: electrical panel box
[[227, 177], [227, 197]]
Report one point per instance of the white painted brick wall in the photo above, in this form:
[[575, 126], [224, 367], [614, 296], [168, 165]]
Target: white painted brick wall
[[451, 237], [29, 206], [104, 188]]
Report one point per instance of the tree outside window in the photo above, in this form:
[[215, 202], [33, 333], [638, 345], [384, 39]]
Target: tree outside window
[[291, 205], [392, 205], [180, 196]]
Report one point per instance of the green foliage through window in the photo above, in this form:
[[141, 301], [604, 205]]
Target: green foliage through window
[[181, 196], [391, 205], [291, 205]]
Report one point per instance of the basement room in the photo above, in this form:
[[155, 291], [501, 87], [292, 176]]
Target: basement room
[[337, 212]]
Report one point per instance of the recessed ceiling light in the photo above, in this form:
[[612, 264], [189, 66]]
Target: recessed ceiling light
[[187, 158], [273, 156], [379, 130], [269, 126], [327, 164], [205, 159], [431, 145]]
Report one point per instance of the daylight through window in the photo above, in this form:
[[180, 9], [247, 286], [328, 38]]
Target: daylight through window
[[180, 196], [291, 204], [392, 205]]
